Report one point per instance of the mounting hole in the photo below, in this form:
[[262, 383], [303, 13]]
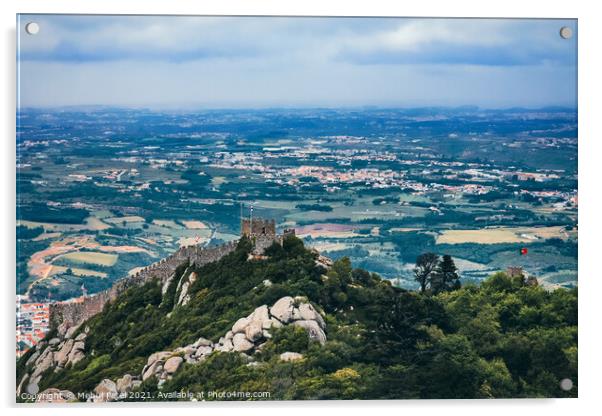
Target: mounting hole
[[32, 28], [566, 32], [566, 384]]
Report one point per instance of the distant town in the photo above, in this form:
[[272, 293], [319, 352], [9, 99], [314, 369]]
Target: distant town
[[32, 323]]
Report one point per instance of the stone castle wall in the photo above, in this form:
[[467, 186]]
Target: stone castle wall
[[257, 227], [64, 315], [262, 241]]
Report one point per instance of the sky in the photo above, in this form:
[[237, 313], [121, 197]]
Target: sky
[[257, 62]]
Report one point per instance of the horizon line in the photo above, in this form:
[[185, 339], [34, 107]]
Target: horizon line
[[573, 107]]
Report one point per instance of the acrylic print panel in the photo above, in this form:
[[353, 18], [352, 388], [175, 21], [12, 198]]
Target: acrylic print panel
[[266, 208]]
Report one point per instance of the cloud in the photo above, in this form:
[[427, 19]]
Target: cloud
[[234, 61], [464, 42], [111, 38], [356, 40]]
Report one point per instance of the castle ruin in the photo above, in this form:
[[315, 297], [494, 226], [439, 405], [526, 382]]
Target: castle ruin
[[257, 227], [262, 232], [68, 314]]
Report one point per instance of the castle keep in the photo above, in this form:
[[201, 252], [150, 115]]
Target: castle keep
[[250, 227], [262, 233], [68, 314]]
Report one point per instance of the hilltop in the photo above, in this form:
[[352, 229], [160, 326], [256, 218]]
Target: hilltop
[[293, 324]]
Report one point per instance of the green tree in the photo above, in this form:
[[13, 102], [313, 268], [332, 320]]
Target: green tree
[[452, 368], [425, 266], [446, 276]]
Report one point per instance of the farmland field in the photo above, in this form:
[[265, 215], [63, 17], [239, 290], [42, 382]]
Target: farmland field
[[90, 257], [76, 271], [501, 235], [378, 186]]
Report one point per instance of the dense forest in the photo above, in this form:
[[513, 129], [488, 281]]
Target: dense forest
[[503, 338]]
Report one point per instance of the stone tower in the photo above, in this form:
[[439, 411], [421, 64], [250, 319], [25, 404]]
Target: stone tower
[[257, 227]]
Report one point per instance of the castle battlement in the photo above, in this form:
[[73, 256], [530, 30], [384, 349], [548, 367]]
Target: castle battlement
[[256, 227], [67, 314]]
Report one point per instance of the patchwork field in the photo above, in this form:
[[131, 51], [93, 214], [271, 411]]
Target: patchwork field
[[91, 224], [194, 225], [501, 235], [467, 265], [167, 223], [80, 249], [46, 236], [326, 246], [76, 271], [120, 220], [91, 257], [327, 230], [218, 180]]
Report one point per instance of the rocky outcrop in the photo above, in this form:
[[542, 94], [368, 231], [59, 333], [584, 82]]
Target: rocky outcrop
[[172, 364], [126, 384], [291, 356], [240, 325], [60, 357], [183, 287], [56, 354], [202, 342], [283, 309], [154, 364], [313, 329], [43, 362], [105, 391], [308, 313], [323, 261], [108, 390], [254, 331], [53, 395], [249, 333], [246, 336], [240, 343]]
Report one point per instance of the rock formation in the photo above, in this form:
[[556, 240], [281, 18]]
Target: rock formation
[[246, 336], [105, 391], [57, 353], [291, 356], [55, 396]]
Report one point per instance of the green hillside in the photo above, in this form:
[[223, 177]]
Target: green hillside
[[500, 339]]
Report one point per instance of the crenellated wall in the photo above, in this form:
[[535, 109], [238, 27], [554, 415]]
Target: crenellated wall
[[64, 315], [67, 314]]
